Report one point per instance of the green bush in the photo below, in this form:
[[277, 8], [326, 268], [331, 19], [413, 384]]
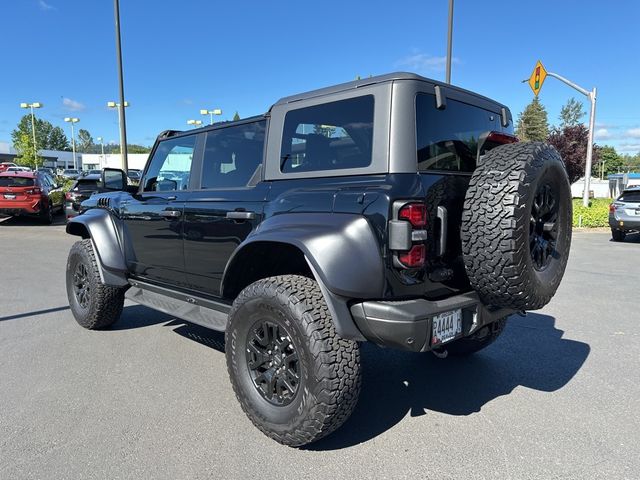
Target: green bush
[[595, 215]]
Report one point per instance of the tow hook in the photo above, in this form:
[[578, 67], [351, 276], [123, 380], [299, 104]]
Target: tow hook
[[440, 353]]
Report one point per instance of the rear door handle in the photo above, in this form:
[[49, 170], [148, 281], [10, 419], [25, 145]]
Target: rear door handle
[[170, 213], [241, 215]]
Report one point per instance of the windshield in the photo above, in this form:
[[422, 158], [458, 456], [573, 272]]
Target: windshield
[[16, 182], [630, 196], [70, 171]]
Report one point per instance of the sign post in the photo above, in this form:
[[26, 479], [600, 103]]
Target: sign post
[[535, 82]]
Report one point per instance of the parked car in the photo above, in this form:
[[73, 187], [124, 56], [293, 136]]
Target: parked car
[[394, 209], [84, 173], [30, 193], [71, 173], [134, 176], [83, 188], [47, 170], [18, 168], [5, 165], [624, 214]]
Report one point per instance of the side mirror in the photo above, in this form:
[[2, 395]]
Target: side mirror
[[114, 179]]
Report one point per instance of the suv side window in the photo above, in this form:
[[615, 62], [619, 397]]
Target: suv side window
[[329, 136], [170, 166], [232, 155]]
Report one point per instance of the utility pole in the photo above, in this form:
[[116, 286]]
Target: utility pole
[[121, 106], [33, 128], [72, 121], [449, 41]]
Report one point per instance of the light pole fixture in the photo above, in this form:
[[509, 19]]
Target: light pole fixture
[[33, 128], [123, 135], [211, 113], [121, 115], [195, 123], [73, 120], [101, 140]]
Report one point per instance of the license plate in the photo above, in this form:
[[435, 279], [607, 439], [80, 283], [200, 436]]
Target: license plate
[[446, 327], [9, 196]]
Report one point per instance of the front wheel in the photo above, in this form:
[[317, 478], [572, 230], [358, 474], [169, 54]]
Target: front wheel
[[294, 377], [93, 304]]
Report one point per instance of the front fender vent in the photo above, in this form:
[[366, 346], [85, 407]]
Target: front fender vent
[[104, 202]]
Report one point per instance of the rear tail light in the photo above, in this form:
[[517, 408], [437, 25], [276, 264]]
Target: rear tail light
[[612, 208], [415, 213], [68, 196], [413, 258], [33, 191]]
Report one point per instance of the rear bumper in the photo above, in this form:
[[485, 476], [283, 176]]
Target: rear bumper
[[624, 223], [29, 207], [71, 209], [407, 324]]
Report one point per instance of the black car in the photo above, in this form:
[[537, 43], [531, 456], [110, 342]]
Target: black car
[[395, 209], [82, 188]]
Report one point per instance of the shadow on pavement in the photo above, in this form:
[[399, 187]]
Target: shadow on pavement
[[32, 314], [27, 221], [530, 353], [138, 316]]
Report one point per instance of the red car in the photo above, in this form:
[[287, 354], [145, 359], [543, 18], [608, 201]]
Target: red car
[[5, 165], [30, 193]]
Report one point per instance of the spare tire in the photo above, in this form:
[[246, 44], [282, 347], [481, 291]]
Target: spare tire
[[516, 225]]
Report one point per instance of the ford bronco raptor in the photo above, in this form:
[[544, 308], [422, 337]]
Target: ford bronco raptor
[[394, 209]]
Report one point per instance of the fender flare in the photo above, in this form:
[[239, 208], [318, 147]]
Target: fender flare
[[342, 252], [98, 225]]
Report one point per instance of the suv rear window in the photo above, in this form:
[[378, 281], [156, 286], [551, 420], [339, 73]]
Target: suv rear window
[[331, 136], [448, 139], [16, 182], [86, 185], [630, 196]]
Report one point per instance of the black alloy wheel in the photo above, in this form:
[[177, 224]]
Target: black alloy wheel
[[543, 229], [81, 285], [273, 362]]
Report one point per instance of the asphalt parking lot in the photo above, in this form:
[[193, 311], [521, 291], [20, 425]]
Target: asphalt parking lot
[[556, 397]]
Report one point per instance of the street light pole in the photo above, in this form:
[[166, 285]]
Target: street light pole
[[73, 120], [101, 140], [33, 128], [123, 124], [449, 41], [592, 123], [211, 113], [195, 123]]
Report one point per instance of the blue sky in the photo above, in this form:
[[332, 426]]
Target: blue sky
[[183, 56]]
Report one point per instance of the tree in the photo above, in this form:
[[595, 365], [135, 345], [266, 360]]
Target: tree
[[571, 113], [533, 124], [131, 148], [24, 146], [571, 143], [609, 162], [85, 141], [236, 116], [58, 140]]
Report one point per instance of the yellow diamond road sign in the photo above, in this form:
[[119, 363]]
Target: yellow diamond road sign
[[537, 77]]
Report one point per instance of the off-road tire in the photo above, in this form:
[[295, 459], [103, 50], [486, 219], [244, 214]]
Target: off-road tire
[[479, 340], [618, 235], [498, 226], [103, 305], [329, 366]]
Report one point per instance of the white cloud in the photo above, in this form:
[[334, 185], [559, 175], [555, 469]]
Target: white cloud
[[422, 62], [72, 105], [602, 134], [45, 6], [632, 148], [633, 133]]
